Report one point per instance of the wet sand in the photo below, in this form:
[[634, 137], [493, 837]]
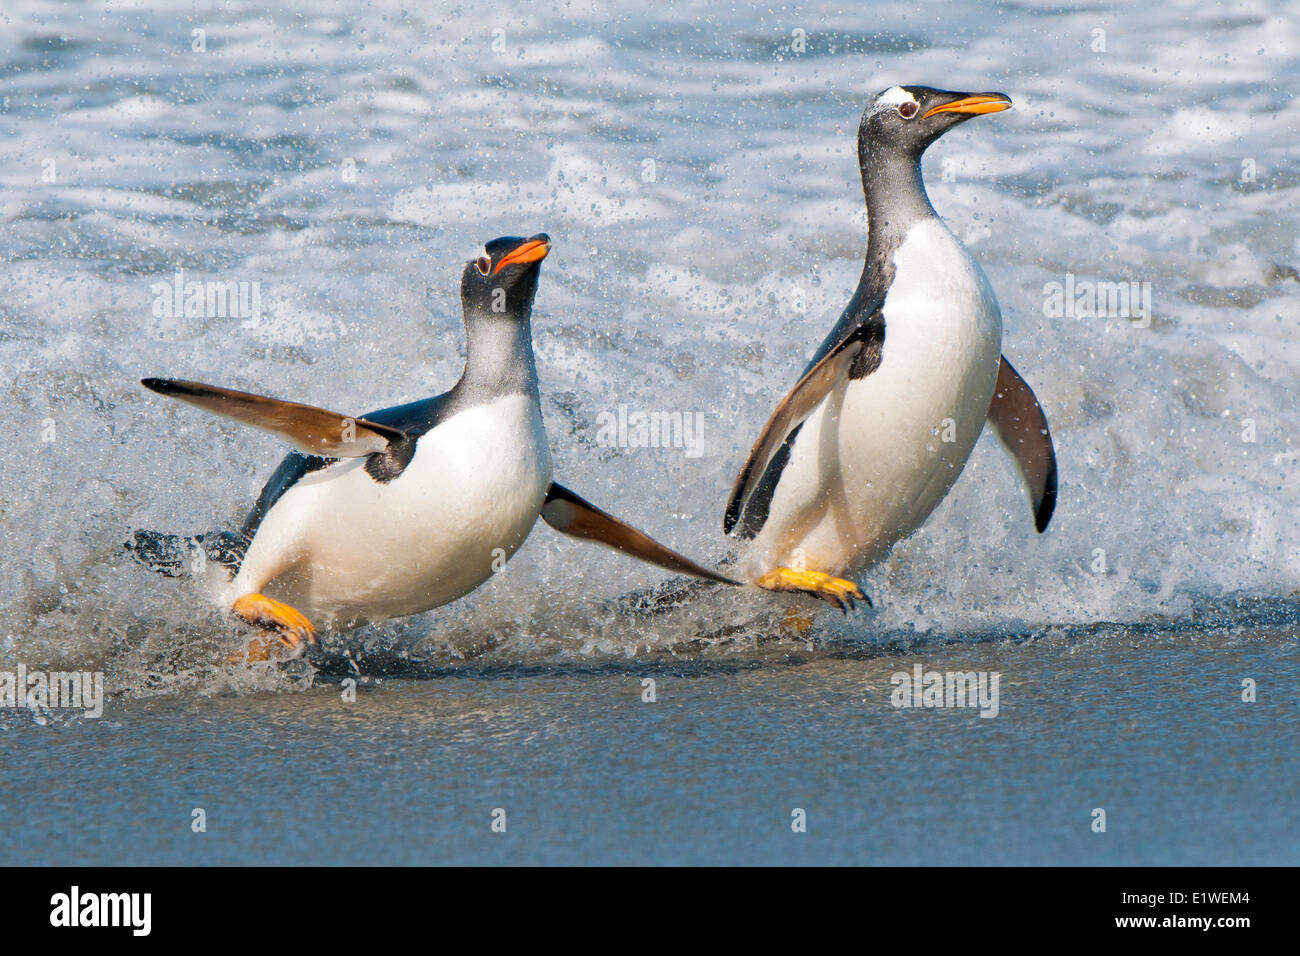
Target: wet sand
[[1148, 725]]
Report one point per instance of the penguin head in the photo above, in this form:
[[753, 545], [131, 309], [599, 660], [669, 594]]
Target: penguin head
[[502, 280], [904, 120]]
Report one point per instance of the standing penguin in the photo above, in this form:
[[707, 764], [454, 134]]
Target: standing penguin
[[879, 426], [407, 508]]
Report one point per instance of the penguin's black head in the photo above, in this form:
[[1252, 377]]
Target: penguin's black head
[[904, 120], [503, 279]]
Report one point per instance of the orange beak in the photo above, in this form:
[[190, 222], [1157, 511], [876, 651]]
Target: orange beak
[[979, 103], [531, 251]]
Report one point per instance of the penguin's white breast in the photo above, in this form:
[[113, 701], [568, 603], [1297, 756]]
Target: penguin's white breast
[[876, 457], [461, 507]]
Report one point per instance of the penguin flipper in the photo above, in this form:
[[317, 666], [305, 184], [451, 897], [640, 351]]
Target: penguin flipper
[[313, 431], [1020, 423], [810, 391], [569, 514]]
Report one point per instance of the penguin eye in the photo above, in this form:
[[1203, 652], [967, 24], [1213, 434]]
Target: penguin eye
[[907, 110], [484, 264]]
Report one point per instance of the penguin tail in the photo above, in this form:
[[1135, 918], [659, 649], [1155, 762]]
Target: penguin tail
[[174, 555]]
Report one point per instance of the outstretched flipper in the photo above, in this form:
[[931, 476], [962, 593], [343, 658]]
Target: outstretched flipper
[[1020, 423], [313, 431], [569, 514]]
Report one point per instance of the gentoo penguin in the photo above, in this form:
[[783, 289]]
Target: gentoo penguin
[[407, 508], [881, 422]]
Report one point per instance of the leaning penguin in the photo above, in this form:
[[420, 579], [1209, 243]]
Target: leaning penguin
[[877, 429], [408, 508]]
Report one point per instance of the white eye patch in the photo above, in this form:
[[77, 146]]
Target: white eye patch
[[892, 99]]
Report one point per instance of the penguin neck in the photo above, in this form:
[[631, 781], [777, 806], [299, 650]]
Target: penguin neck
[[498, 356], [896, 200]]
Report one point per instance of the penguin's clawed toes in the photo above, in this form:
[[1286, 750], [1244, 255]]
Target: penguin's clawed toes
[[835, 591], [289, 625]]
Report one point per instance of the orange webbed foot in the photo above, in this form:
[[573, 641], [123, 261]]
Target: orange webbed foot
[[289, 625]]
